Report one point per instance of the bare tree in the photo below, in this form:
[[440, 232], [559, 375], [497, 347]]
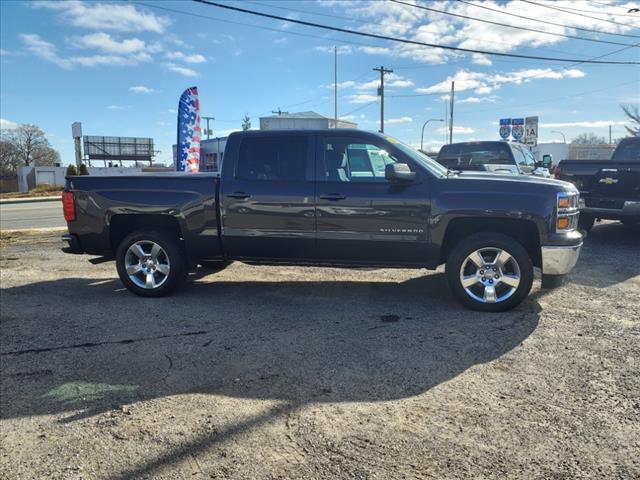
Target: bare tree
[[633, 113], [588, 139], [25, 145]]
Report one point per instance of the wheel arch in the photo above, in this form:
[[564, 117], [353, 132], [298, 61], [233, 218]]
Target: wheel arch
[[524, 231], [121, 225]]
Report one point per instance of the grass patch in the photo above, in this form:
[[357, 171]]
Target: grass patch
[[44, 190]]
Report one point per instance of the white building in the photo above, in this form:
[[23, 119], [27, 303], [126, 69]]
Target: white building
[[567, 151], [303, 121]]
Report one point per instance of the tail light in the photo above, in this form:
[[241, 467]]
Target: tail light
[[68, 206], [556, 172]]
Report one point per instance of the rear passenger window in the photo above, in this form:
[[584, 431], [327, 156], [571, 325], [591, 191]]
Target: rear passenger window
[[273, 158]]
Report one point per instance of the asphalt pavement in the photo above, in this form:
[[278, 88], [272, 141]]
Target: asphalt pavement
[[18, 216]]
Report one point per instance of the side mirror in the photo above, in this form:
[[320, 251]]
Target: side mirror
[[547, 161], [399, 172]]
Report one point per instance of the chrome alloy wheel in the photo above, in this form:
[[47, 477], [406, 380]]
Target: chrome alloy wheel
[[147, 264], [490, 275]]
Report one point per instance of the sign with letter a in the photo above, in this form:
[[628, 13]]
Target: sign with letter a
[[531, 131]]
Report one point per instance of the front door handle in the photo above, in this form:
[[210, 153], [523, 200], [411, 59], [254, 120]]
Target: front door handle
[[333, 197], [239, 195]]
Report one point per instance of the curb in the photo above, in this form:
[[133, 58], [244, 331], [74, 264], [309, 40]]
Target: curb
[[33, 231], [29, 199]]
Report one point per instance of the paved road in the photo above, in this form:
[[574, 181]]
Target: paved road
[[14, 216]]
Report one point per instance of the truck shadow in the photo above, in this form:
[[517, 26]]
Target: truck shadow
[[610, 255], [299, 342]]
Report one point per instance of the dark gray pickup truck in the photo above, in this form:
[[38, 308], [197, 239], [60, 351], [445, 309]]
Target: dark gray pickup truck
[[329, 197], [609, 189]]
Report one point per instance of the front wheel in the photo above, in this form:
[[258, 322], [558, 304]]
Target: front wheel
[[585, 222], [151, 263], [489, 272]]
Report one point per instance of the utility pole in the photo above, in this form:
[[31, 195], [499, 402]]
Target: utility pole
[[609, 134], [453, 88], [335, 87], [382, 71], [279, 112], [208, 131]]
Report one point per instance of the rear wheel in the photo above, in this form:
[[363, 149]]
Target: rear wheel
[[151, 263], [489, 272]]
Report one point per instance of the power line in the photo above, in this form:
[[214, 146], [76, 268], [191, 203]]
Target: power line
[[541, 21], [444, 12], [600, 13], [400, 40], [578, 14], [386, 24]]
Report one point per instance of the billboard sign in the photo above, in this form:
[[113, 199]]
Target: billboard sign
[[531, 131]]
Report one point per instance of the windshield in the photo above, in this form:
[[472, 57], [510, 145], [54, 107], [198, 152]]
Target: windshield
[[427, 162]]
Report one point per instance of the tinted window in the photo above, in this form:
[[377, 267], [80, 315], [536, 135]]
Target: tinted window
[[627, 151], [346, 160], [474, 155], [273, 158]]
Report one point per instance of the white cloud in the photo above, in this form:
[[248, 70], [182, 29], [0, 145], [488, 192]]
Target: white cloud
[[4, 53], [342, 49], [184, 71], [483, 83], [104, 42], [361, 98], [431, 27], [118, 107], [585, 124], [7, 124], [107, 16], [457, 129], [49, 52], [395, 121], [187, 58], [141, 89]]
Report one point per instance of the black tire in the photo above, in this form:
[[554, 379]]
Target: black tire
[[585, 222], [458, 257], [629, 222], [172, 254], [213, 266]]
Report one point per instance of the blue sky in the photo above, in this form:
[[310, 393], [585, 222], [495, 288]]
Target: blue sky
[[119, 67]]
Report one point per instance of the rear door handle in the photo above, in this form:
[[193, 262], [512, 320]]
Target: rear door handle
[[333, 197], [238, 195]]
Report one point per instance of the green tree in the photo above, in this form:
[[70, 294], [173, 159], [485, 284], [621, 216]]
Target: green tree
[[589, 139], [83, 169], [633, 114], [246, 122], [71, 171]]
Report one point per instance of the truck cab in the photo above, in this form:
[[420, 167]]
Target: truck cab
[[506, 158]]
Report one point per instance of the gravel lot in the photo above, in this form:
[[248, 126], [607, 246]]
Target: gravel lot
[[274, 372]]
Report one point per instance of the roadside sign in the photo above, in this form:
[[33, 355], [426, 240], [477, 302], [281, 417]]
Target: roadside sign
[[505, 128], [531, 131], [517, 128]]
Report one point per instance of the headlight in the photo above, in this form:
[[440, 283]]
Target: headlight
[[566, 212]]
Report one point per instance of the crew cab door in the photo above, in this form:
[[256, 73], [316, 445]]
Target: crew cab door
[[267, 197], [362, 217]]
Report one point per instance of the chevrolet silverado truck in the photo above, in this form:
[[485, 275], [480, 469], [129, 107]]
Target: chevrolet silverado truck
[[492, 156], [609, 189], [344, 198]]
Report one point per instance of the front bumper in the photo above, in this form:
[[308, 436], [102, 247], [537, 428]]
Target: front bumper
[[559, 260]]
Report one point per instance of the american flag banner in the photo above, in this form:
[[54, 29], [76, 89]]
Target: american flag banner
[[189, 133]]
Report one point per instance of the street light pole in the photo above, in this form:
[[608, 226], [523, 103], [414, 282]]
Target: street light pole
[[564, 139], [424, 125]]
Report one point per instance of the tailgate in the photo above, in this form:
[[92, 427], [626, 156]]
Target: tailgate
[[618, 180]]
